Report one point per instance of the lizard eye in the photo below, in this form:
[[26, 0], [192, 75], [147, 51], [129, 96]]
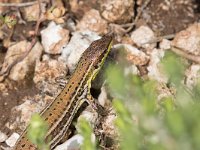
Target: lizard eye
[[97, 66]]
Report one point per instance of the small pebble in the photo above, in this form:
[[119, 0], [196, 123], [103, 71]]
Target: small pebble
[[3, 137], [12, 139]]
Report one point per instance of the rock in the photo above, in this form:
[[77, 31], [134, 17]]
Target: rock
[[109, 125], [126, 40], [117, 11], [21, 114], [12, 139], [56, 13], [80, 7], [46, 73], [134, 55], [93, 21], [143, 35], [164, 91], [165, 44], [88, 115], [71, 25], [49, 70], [31, 13], [21, 69], [102, 96], [192, 75], [4, 88], [79, 42], [72, 144], [154, 70], [3, 137], [30, 106], [54, 38], [189, 39]]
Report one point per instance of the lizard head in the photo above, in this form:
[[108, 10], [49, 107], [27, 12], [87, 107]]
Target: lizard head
[[99, 49]]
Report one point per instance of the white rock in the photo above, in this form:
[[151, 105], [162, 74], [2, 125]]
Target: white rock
[[71, 144], [54, 38], [88, 115], [45, 57], [143, 35], [12, 139], [3, 137], [102, 96], [79, 42], [165, 44]]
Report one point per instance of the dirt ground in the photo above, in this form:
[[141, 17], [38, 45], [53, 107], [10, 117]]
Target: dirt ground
[[177, 17]]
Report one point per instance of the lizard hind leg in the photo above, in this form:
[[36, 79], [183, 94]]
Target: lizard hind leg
[[95, 105]]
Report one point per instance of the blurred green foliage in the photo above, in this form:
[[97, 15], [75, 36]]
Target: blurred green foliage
[[9, 20], [177, 128], [173, 67], [37, 131], [86, 131], [143, 121]]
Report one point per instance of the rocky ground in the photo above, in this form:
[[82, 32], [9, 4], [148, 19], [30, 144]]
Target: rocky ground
[[41, 44]]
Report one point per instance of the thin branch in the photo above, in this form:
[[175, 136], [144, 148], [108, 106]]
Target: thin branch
[[40, 18], [131, 25], [33, 42], [179, 51], [7, 71], [160, 38], [194, 58], [17, 4]]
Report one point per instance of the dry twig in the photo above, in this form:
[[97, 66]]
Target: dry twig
[[181, 52], [160, 38], [33, 42], [18, 4], [131, 25], [178, 51]]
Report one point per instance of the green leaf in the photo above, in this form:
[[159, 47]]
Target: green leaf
[[86, 131], [37, 131]]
